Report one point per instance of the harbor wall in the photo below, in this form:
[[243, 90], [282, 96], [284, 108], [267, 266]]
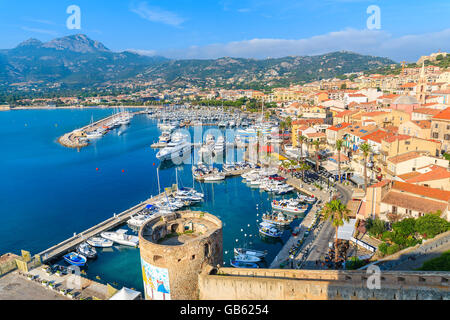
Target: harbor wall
[[259, 284]]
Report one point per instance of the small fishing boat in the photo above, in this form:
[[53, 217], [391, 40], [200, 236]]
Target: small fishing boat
[[250, 252], [75, 259], [311, 199], [87, 251], [277, 219], [121, 237], [239, 264], [99, 242], [269, 230]]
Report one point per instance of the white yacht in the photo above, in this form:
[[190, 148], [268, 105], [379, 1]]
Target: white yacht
[[174, 150], [215, 177], [219, 147], [99, 242], [121, 237]]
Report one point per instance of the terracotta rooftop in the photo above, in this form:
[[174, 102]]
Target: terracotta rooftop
[[412, 202], [443, 115], [424, 124], [427, 111], [339, 126], [405, 157], [436, 173], [422, 191], [376, 136], [396, 137], [380, 184]]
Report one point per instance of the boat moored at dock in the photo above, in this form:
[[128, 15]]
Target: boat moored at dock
[[75, 259], [98, 242], [121, 237]]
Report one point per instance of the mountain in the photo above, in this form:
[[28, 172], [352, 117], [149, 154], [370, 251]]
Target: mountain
[[78, 60], [281, 71]]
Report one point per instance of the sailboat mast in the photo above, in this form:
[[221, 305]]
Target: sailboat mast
[[159, 186]]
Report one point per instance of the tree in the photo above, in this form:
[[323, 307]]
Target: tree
[[289, 123], [339, 145], [301, 139], [366, 150], [337, 213], [304, 167], [376, 227], [317, 144], [430, 225]]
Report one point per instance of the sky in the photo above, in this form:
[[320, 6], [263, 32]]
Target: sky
[[208, 29]]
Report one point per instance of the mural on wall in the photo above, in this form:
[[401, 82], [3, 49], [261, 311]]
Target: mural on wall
[[156, 282]]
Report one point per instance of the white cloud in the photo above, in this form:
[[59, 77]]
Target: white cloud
[[372, 42], [156, 14]]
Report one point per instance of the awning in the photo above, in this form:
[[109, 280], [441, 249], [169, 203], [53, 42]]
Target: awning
[[357, 179], [346, 231]]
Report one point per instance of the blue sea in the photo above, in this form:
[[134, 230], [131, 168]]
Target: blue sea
[[49, 192]]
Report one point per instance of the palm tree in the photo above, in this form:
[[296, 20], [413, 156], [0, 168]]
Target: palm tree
[[339, 144], [289, 123], [366, 150], [304, 167], [317, 144], [301, 139], [337, 213]]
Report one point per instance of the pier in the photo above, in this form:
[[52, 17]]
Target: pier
[[69, 244], [75, 139]]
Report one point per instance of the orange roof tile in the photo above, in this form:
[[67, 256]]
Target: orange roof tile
[[436, 173], [422, 191], [404, 157], [443, 115], [339, 126], [376, 136], [413, 202]]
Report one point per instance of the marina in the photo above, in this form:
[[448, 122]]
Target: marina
[[119, 160]]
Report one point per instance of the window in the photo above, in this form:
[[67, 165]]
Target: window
[[435, 135], [446, 136]]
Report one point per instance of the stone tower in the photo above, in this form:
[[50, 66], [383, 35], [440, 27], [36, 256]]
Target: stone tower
[[175, 249], [421, 93]]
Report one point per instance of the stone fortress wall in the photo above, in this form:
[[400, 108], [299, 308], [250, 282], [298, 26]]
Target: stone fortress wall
[[271, 284], [186, 258]]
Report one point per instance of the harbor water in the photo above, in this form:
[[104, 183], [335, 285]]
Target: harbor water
[[49, 192]]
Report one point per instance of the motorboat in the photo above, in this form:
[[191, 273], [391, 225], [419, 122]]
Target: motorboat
[[290, 206], [250, 252], [96, 134], [219, 147], [87, 251], [75, 259], [99, 242], [269, 230], [215, 177], [121, 237], [239, 264], [311, 199], [277, 219], [139, 220], [174, 150], [246, 258]]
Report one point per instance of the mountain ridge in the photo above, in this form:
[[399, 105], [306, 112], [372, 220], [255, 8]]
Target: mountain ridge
[[79, 60]]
